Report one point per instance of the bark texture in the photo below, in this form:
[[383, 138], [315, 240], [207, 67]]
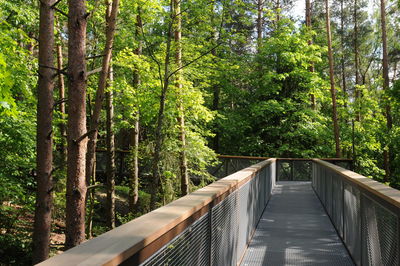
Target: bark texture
[[61, 92], [386, 82], [110, 167], [260, 6], [77, 141], [356, 56], [44, 139], [134, 180], [310, 42], [181, 110], [332, 81]]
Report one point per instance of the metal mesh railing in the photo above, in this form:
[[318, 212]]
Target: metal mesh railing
[[231, 164], [191, 247], [220, 237], [367, 223], [294, 170]]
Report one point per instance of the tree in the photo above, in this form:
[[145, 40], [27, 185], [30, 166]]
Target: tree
[[134, 179], [260, 7], [111, 20], [161, 115], [110, 166], [76, 132], [386, 83], [332, 80], [309, 26], [44, 140], [179, 87]]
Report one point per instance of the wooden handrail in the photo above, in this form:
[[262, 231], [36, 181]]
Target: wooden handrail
[[388, 194], [139, 238]]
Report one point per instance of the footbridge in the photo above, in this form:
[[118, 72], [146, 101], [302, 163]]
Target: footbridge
[[273, 212]]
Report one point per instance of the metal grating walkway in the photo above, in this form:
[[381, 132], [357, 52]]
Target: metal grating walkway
[[295, 230]]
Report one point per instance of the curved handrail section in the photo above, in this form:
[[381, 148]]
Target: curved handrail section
[[138, 239]]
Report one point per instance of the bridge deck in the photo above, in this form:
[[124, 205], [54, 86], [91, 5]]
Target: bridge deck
[[295, 230]]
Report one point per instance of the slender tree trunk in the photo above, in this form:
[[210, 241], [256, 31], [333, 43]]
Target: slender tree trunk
[[61, 92], [277, 11], [134, 180], [260, 6], [386, 83], [343, 66], [216, 88], [111, 18], [181, 110], [356, 61], [156, 168], [44, 139], [310, 42], [332, 80], [110, 167], [77, 140]]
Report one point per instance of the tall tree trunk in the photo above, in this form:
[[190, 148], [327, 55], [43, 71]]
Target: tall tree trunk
[[332, 81], [134, 180], [310, 42], [278, 11], [110, 167], [61, 92], [44, 139], [159, 136], [215, 88], [76, 131], [111, 18], [181, 110], [356, 61], [343, 66], [386, 83], [260, 6]]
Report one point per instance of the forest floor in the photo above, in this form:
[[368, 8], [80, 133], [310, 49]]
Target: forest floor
[[16, 226]]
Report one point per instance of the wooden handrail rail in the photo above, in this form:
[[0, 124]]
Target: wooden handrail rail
[[388, 194], [141, 236]]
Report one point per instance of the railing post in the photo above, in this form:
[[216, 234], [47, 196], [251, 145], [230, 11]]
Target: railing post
[[291, 170]]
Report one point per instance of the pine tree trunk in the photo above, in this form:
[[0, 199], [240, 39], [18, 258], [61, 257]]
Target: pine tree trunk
[[344, 84], [110, 167], [111, 18], [310, 42], [77, 142], [134, 180], [332, 81], [385, 65], [179, 87], [260, 6], [44, 139], [356, 56], [277, 11], [61, 92], [215, 88]]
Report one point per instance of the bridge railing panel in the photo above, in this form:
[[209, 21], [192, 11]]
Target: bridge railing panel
[[365, 213], [211, 226]]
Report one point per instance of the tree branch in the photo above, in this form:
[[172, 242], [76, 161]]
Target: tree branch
[[60, 11], [76, 141], [194, 60], [152, 56], [97, 70], [60, 101]]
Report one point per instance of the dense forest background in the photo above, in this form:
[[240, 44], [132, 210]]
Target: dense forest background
[[171, 84]]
